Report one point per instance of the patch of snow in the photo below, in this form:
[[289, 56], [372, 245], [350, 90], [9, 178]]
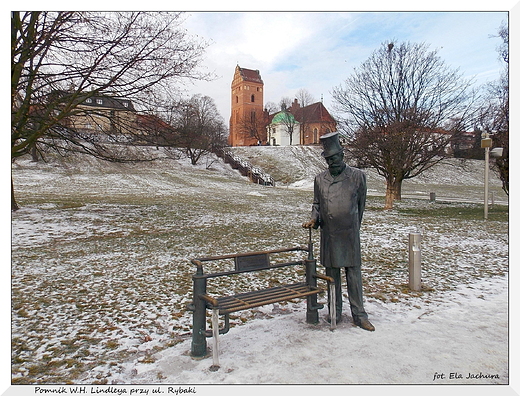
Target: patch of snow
[[463, 332]]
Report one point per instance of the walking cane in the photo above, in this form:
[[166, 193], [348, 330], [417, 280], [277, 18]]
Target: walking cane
[[331, 286]]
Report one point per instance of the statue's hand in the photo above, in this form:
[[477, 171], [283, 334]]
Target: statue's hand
[[309, 224]]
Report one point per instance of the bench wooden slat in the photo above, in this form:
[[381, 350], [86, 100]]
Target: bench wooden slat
[[258, 298], [267, 294]]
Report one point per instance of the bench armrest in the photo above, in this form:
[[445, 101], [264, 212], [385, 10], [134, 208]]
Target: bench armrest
[[324, 277], [211, 300], [198, 263]]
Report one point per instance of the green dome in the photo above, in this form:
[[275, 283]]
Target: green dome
[[284, 118]]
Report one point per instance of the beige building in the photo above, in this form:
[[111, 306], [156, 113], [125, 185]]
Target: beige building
[[114, 116]]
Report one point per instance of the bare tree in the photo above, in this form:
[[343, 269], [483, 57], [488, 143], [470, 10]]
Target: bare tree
[[503, 49], [61, 59], [494, 115], [304, 97], [253, 126], [288, 122], [152, 129], [401, 109], [285, 102], [271, 107], [199, 126]]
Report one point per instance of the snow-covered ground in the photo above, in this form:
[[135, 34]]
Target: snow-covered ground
[[101, 278], [461, 333]]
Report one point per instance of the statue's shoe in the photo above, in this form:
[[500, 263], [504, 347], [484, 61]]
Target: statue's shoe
[[365, 324]]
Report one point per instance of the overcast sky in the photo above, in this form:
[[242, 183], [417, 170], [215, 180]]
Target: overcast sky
[[318, 50]]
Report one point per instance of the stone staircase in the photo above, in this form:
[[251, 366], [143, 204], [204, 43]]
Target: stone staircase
[[255, 174]]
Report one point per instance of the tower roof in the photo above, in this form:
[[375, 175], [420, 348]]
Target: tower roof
[[250, 75]]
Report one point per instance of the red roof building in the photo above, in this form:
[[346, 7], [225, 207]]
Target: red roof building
[[315, 121], [248, 121]]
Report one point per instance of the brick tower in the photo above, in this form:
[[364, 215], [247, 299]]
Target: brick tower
[[247, 123]]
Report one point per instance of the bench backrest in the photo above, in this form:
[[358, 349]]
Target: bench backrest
[[253, 261]]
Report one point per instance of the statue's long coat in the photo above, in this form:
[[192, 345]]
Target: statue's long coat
[[338, 209]]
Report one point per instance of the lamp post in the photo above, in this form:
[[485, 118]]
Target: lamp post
[[497, 152]]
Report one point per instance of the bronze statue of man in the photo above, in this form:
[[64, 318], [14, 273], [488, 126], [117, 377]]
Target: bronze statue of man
[[339, 202]]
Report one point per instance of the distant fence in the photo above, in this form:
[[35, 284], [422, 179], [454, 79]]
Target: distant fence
[[255, 174]]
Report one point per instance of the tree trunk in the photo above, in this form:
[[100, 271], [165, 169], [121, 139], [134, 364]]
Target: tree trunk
[[34, 153], [503, 172], [393, 192], [398, 186], [14, 205]]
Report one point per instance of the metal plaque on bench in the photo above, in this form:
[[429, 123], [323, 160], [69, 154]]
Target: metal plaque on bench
[[251, 262]]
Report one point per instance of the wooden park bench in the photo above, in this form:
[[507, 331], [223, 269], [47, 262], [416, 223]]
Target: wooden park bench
[[307, 289]]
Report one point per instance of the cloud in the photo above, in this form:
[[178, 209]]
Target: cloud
[[260, 37], [318, 50]]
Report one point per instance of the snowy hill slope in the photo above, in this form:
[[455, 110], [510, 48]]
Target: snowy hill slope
[[296, 166]]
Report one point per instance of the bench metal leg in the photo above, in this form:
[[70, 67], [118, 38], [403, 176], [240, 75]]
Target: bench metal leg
[[198, 342]]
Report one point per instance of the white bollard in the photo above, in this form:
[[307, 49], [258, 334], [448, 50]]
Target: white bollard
[[414, 261]]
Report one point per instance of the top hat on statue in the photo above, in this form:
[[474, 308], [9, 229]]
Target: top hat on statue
[[331, 144]]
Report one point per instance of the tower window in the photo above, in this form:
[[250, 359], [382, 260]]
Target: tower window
[[237, 98], [252, 98]]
